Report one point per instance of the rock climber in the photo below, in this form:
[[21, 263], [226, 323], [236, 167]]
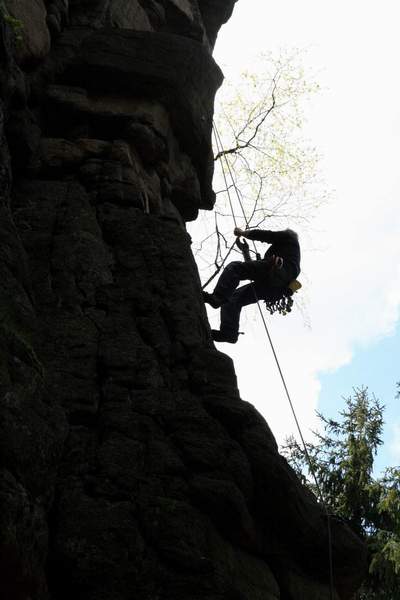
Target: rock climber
[[270, 278]]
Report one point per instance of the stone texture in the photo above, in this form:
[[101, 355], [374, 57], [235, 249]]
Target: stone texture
[[215, 13], [112, 13], [177, 71], [130, 467], [128, 15]]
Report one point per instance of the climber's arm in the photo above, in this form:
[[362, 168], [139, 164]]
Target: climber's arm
[[261, 235], [244, 248]]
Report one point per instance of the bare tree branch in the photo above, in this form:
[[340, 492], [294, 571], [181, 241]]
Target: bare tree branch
[[256, 130]]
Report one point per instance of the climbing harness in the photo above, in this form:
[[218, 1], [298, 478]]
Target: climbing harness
[[293, 287]]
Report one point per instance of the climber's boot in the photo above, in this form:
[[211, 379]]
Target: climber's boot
[[213, 300], [224, 336]]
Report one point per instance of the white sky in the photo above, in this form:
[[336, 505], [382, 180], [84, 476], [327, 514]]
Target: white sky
[[352, 286]]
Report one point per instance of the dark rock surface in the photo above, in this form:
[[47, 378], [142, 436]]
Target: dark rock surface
[[129, 466]]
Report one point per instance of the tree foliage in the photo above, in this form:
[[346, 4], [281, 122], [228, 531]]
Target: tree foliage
[[260, 137], [265, 169], [342, 460]]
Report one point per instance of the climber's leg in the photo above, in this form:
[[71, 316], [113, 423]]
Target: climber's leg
[[230, 311], [227, 283], [232, 275]]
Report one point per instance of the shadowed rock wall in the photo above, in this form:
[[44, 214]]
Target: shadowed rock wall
[[130, 467]]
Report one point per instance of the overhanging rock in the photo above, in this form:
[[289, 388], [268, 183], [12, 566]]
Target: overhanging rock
[[177, 71]]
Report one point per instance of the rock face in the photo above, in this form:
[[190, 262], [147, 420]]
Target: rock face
[[130, 467]]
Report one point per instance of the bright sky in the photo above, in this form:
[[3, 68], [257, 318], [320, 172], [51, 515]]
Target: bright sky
[[352, 283]]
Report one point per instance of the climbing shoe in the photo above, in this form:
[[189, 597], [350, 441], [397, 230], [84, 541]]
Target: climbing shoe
[[213, 300], [224, 336]]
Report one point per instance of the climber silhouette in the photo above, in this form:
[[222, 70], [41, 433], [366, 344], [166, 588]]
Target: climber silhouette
[[270, 278]]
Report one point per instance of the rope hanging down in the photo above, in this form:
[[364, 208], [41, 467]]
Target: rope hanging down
[[221, 154], [219, 148], [306, 453], [312, 471]]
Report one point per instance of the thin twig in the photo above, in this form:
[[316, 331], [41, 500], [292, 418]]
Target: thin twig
[[246, 144]]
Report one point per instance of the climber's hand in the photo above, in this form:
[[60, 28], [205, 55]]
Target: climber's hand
[[238, 232], [242, 245]]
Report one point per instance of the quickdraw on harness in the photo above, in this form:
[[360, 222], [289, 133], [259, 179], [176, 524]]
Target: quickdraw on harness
[[281, 301]]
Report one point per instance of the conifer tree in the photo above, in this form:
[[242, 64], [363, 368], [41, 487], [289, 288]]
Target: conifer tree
[[342, 460]]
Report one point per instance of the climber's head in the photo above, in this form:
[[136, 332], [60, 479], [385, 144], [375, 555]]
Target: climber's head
[[292, 233]]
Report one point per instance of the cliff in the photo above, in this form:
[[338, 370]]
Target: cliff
[[130, 467]]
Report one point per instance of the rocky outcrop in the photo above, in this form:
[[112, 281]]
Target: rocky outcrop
[[129, 466]]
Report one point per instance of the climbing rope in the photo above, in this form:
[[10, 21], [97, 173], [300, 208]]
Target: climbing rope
[[222, 155], [310, 465], [219, 149], [217, 142]]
